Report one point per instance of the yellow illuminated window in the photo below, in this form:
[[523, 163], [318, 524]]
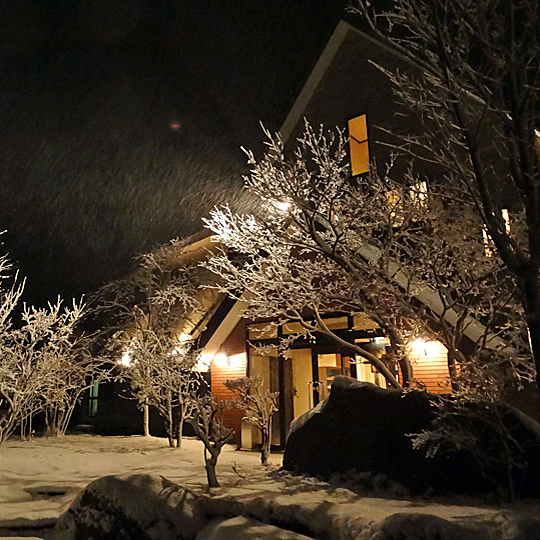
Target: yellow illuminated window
[[358, 141]]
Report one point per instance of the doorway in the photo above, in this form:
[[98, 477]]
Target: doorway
[[277, 374], [303, 377]]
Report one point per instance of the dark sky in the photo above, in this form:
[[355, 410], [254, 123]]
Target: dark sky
[[91, 171]]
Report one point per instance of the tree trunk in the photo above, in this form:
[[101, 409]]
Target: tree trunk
[[406, 371], [398, 350], [58, 430], [7, 424], [530, 290], [146, 420], [533, 323], [67, 417], [210, 466], [265, 447], [453, 371], [180, 427], [170, 425], [52, 422]]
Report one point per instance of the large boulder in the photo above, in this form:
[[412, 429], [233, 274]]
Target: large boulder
[[144, 507], [361, 427], [244, 528], [138, 506]]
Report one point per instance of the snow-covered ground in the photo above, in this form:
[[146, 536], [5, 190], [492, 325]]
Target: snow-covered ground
[[40, 478], [72, 462]]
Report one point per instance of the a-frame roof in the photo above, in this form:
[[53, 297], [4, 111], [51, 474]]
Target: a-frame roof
[[346, 39]]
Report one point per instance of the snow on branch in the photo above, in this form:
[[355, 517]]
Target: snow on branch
[[413, 260]]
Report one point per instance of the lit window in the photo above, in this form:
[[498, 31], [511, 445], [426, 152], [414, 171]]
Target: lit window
[[358, 143], [417, 193], [506, 219], [93, 400]]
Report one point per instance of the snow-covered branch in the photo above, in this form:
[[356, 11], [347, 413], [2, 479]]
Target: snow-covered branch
[[412, 260], [472, 85]]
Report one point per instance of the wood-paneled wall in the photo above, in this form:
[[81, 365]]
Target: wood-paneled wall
[[231, 363]]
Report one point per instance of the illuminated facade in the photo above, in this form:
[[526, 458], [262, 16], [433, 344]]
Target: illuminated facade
[[346, 90]]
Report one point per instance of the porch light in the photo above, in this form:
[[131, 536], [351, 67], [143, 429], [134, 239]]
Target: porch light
[[230, 362], [126, 359], [429, 348], [183, 337], [419, 347], [203, 363], [283, 206]]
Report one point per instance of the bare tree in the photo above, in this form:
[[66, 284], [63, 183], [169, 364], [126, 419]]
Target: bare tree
[[475, 91], [154, 309], [208, 424], [479, 419], [161, 374], [76, 370], [259, 405], [33, 360], [412, 261]]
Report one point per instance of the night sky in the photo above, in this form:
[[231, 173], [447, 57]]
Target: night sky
[[122, 121]]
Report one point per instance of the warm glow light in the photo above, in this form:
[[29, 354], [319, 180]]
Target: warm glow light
[[488, 243], [183, 337], [506, 219], [237, 360], [220, 359], [283, 206], [425, 348], [126, 359], [234, 362], [419, 346], [203, 363]]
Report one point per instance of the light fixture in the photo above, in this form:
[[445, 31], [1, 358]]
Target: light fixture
[[283, 206], [203, 363], [126, 359], [183, 337], [420, 346]]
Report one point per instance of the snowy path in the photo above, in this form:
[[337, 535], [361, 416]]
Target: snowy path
[[73, 462], [40, 478]]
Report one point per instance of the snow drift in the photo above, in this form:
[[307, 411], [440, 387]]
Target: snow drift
[[151, 507]]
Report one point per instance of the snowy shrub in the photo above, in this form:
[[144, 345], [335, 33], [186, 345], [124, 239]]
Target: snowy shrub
[[44, 364], [208, 424], [259, 405]]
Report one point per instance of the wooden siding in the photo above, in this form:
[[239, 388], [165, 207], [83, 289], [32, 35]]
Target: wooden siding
[[230, 363], [430, 367]]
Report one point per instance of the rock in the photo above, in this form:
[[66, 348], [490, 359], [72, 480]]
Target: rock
[[138, 506], [143, 507], [243, 528], [361, 427], [421, 527]]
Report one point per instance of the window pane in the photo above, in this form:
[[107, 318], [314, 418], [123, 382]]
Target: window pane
[[359, 148]]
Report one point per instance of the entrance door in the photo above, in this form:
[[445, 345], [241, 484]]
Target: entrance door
[[281, 380], [277, 373], [303, 378], [329, 366]]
